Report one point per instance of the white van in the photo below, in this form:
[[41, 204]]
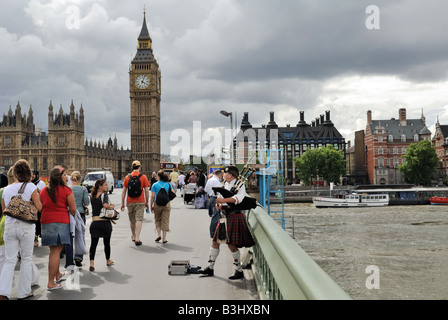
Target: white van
[[91, 177]]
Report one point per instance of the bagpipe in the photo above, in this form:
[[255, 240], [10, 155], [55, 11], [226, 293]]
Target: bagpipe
[[248, 202]]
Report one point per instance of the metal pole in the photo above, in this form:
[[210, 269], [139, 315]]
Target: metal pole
[[231, 140]]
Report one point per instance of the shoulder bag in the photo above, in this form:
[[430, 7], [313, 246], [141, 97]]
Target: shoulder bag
[[21, 209], [84, 206], [110, 214]]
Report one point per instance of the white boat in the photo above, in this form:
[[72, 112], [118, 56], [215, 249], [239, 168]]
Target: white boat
[[353, 200]]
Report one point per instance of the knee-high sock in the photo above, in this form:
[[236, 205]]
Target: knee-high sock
[[236, 260], [212, 258]]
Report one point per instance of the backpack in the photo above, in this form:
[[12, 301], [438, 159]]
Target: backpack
[[134, 186], [163, 198]]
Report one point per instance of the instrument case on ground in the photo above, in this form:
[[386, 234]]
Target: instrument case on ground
[[178, 267]]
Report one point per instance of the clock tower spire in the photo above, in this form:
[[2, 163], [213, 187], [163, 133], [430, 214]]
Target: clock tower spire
[[145, 96]]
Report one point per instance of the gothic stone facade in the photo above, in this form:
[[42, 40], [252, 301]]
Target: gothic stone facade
[[63, 145]]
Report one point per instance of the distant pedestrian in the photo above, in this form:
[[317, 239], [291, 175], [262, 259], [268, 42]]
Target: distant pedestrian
[[202, 179], [19, 235], [193, 178], [181, 180], [153, 179], [161, 213], [56, 198], [40, 185], [173, 177], [9, 180], [82, 200], [135, 186], [100, 227]]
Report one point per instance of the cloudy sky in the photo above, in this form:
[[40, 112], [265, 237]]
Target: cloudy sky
[[251, 56]]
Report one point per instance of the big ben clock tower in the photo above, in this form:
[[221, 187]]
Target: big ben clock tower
[[145, 95]]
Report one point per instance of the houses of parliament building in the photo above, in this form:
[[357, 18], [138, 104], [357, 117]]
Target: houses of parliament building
[[65, 142]]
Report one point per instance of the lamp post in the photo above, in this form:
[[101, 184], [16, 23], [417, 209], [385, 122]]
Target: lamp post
[[229, 114]]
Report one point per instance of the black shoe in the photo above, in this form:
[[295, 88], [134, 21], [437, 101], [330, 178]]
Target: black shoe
[[78, 262], [207, 271], [237, 275]]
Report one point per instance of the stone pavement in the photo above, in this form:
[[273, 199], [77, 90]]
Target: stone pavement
[[141, 272]]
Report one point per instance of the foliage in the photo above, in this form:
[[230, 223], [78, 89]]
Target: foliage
[[326, 163], [421, 163]]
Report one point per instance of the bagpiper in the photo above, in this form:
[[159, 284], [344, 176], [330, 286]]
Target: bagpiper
[[231, 200]]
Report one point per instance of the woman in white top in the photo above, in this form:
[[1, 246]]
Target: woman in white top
[[19, 235]]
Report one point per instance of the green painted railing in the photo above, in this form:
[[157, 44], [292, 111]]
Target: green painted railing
[[282, 270]]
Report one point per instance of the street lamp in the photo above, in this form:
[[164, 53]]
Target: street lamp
[[229, 114]]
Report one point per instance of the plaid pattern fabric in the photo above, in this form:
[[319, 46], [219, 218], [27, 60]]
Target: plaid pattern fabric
[[239, 234]]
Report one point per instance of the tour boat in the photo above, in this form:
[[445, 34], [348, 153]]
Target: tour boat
[[352, 200], [438, 200]]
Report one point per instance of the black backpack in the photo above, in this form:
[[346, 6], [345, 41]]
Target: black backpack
[[134, 186], [163, 198]]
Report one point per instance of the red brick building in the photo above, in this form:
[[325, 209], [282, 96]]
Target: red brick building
[[386, 142], [440, 141]]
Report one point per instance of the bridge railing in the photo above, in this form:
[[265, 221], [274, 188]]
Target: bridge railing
[[282, 270]]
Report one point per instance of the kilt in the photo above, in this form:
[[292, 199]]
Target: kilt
[[237, 230]]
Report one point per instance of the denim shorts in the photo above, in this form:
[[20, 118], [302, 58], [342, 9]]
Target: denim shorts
[[55, 234]]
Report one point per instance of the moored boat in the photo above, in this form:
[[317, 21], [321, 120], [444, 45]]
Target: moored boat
[[352, 200], [438, 200]]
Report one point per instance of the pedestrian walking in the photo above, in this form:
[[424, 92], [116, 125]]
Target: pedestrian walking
[[135, 196], [100, 227], [202, 179], [55, 222], [40, 185], [173, 179], [161, 212], [19, 235], [82, 200], [67, 249], [181, 181], [10, 179], [153, 179]]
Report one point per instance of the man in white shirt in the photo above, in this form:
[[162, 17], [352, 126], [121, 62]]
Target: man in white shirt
[[214, 181], [181, 180]]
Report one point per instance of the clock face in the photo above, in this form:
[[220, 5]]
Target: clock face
[[142, 82]]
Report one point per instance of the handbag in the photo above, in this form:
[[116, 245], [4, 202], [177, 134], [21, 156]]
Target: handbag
[[111, 214], [21, 209], [84, 206], [171, 194]]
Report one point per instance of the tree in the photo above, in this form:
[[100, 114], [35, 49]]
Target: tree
[[421, 163], [326, 163]]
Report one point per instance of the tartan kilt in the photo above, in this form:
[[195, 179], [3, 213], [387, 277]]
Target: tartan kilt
[[237, 230]]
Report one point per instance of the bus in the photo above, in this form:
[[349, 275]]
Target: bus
[[170, 166]]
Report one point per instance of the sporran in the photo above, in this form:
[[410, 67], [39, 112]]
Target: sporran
[[222, 235]]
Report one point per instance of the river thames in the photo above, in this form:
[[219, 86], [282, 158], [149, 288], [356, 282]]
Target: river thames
[[405, 246]]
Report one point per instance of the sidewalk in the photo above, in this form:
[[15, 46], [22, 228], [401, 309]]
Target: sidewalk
[[141, 273]]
